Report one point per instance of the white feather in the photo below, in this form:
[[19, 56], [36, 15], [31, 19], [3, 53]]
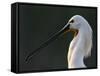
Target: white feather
[[81, 44]]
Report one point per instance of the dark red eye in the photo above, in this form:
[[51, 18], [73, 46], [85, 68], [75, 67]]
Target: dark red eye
[[72, 21]]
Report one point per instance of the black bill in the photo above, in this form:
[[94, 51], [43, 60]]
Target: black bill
[[46, 43]]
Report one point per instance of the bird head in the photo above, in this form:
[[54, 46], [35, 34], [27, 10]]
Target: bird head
[[75, 23]]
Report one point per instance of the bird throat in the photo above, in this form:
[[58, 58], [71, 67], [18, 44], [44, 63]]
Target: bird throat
[[74, 31]]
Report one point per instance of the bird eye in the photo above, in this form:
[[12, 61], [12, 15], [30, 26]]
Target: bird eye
[[72, 21]]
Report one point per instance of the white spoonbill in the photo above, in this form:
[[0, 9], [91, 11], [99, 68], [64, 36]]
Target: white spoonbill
[[80, 46]]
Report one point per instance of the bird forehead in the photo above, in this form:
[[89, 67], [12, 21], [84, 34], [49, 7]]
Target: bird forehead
[[78, 17]]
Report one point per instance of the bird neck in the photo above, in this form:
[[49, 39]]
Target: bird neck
[[76, 50]]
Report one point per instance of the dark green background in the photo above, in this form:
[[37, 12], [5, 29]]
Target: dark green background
[[39, 22]]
